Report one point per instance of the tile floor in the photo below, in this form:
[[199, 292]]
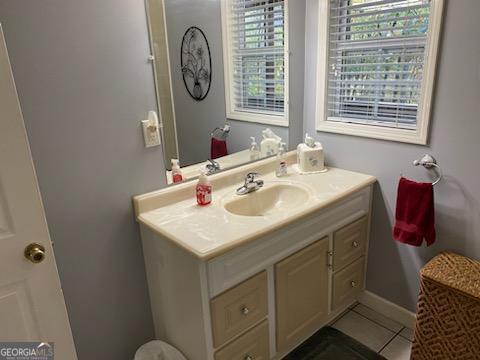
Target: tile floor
[[381, 334]]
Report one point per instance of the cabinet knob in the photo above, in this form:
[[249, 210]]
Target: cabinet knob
[[245, 310], [248, 357], [355, 244], [353, 284]]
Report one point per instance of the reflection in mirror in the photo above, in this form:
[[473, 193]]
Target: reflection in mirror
[[221, 71]]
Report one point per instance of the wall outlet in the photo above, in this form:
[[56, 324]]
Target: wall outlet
[[151, 130]]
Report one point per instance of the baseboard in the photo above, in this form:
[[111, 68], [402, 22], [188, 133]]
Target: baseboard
[[388, 309]]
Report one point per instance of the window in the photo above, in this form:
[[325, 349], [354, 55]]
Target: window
[[255, 43], [377, 63]]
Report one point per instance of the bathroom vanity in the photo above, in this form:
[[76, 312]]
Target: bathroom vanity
[[250, 277]]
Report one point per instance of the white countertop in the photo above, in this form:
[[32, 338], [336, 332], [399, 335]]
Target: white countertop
[[208, 231]]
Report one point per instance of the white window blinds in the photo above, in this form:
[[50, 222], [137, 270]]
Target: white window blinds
[[257, 37], [376, 61]]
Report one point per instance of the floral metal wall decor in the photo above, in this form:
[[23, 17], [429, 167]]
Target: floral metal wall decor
[[196, 63]]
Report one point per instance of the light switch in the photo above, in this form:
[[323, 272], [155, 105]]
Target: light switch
[[151, 130]]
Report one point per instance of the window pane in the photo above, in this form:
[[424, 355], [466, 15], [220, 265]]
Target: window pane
[[376, 59], [257, 31]]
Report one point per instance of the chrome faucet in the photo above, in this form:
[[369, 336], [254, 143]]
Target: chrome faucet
[[212, 167], [250, 185]]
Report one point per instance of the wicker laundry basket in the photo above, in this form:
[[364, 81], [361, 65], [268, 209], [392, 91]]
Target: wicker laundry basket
[[448, 310]]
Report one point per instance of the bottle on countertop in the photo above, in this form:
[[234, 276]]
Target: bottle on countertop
[[281, 169], [203, 189], [254, 150], [176, 172], [310, 155]]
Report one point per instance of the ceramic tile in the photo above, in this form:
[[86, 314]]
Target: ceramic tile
[[398, 349], [407, 333], [364, 330], [378, 318], [338, 317]]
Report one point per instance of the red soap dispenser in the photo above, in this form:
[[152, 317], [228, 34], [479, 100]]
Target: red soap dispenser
[[176, 172], [204, 189]]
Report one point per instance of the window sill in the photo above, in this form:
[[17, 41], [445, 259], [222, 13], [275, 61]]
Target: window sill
[[374, 132], [258, 118]]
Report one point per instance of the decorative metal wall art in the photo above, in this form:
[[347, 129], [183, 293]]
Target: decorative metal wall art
[[196, 63]]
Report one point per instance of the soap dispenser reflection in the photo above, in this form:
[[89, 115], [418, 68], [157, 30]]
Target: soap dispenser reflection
[[254, 150], [281, 169], [177, 175]]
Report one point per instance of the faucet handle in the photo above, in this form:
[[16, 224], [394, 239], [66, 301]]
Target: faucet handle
[[212, 166], [251, 176], [214, 163]]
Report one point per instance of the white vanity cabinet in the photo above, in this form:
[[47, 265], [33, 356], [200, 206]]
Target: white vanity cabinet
[[261, 299]]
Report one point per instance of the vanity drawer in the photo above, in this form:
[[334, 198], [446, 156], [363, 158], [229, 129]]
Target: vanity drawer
[[253, 345], [349, 243], [239, 308], [348, 282]]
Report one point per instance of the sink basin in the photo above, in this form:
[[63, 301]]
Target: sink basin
[[269, 200]]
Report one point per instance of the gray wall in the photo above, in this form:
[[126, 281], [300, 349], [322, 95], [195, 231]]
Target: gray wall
[[455, 127], [84, 85], [195, 120], [296, 17]]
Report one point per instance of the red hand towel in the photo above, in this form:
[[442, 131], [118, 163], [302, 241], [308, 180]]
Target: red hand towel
[[218, 148], [415, 215]]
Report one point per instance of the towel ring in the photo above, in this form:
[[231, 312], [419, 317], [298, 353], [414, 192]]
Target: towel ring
[[221, 133], [427, 161]]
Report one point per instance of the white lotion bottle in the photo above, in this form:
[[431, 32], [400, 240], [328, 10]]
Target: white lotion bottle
[[281, 169], [254, 150]]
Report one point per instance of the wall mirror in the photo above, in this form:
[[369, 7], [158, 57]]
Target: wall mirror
[[224, 73]]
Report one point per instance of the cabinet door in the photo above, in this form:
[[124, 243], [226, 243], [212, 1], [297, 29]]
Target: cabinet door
[[301, 293]]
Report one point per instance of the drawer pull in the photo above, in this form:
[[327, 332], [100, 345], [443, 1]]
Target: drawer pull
[[353, 284], [248, 357], [245, 310], [355, 244]]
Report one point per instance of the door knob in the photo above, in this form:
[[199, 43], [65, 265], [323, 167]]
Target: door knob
[[35, 253]]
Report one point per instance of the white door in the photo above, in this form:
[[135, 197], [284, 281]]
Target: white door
[[32, 307]]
